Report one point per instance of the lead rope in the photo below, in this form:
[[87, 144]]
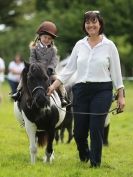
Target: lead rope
[[113, 111]]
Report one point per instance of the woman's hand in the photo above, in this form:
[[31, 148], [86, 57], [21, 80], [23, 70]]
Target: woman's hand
[[121, 100], [121, 104]]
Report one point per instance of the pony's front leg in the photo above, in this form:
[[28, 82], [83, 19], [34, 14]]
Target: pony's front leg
[[31, 132], [49, 154]]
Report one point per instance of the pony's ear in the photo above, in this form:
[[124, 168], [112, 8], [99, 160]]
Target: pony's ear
[[27, 65]]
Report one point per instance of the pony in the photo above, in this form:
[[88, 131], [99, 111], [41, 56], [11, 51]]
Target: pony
[[37, 112]]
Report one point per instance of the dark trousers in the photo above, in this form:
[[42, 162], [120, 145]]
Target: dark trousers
[[13, 85], [91, 98]]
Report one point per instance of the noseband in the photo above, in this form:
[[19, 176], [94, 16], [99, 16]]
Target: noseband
[[36, 88]]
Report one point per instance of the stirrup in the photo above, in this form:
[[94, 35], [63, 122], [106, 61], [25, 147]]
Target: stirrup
[[16, 96], [63, 102]]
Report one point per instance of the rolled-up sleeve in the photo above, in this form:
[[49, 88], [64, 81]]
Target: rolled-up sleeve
[[115, 68]]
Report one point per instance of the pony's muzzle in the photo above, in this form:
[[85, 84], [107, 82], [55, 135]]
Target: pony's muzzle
[[40, 101]]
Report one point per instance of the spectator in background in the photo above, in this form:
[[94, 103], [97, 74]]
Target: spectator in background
[[2, 72], [14, 71]]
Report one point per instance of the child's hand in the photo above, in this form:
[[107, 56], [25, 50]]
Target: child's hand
[[32, 44]]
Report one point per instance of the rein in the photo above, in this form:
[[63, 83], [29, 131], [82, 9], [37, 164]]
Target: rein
[[113, 111], [33, 91]]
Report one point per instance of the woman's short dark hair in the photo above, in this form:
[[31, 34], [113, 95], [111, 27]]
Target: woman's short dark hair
[[92, 15]]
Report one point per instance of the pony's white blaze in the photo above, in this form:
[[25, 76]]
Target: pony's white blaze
[[28, 123], [18, 114], [54, 100]]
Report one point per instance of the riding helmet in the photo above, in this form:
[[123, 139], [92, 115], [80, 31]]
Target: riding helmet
[[47, 27]]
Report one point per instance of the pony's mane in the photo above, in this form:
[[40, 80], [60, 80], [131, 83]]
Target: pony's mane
[[38, 69], [35, 68]]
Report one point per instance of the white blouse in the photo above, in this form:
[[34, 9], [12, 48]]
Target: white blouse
[[98, 64], [18, 68]]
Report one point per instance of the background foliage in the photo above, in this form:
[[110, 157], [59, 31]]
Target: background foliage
[[22, 17]]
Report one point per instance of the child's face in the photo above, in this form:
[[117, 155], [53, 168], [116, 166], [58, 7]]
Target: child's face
[[46, 39]]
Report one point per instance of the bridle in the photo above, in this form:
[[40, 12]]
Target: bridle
[[36, 88], [33, 93]]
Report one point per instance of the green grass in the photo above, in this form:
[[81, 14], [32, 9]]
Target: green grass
[[117, 159]]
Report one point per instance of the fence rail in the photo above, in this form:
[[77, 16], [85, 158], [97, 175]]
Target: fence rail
[[128, 78]]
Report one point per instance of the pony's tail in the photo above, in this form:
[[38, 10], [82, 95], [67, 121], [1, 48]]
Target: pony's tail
[[42, 138]]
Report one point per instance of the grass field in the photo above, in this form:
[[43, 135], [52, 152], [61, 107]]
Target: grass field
[[117, 159]]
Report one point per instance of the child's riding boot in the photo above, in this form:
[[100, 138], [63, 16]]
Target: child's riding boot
[[63, 94], [16, 96], [63, 102]]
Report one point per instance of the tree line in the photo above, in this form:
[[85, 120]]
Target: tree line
[[21, 18]]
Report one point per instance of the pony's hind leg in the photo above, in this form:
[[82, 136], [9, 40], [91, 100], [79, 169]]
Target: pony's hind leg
[[49, 157], [57, 136], [70, 134], [62, 134]]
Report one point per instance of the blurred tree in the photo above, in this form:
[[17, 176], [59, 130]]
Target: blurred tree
[[41, 5], [118, 26], [12, 12], [8, 12], [24, 16]]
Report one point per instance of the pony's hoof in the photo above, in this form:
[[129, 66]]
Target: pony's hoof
[[48, 158]]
